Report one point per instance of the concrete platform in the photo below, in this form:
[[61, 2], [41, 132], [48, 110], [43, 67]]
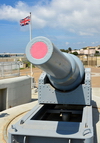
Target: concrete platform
[[10, 116]]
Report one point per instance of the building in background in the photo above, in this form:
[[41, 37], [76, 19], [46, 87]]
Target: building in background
[[88, 50]]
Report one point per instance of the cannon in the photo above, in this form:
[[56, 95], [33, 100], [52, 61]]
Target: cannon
[[65, 71], [64, 112]]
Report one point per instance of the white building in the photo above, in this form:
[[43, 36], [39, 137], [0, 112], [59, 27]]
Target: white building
[[88, 50]]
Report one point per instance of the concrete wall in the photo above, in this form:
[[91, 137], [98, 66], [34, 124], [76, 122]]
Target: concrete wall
[[14, 91], [98, 61]]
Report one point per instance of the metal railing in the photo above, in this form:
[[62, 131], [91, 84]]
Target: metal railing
[[9, 69], [90, 60]]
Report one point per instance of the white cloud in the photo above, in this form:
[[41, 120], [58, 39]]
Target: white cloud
[[85, 33], [79, 43], [75, 16], [67, 43], [93, 43], [12, 14]]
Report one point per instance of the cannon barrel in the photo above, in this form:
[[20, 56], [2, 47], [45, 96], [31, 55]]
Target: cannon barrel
[[65, 71]]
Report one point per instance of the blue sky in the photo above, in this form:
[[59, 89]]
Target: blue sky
[[67, 23]]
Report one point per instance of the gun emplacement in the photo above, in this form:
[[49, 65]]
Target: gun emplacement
[[63, 113]]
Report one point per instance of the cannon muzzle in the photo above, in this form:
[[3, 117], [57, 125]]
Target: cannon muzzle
[[65, 71]]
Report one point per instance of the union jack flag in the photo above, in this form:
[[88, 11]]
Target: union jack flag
[[25, 21]]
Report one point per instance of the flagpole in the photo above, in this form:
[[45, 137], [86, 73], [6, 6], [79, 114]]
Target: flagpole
[[30, 27], [30, 40]]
